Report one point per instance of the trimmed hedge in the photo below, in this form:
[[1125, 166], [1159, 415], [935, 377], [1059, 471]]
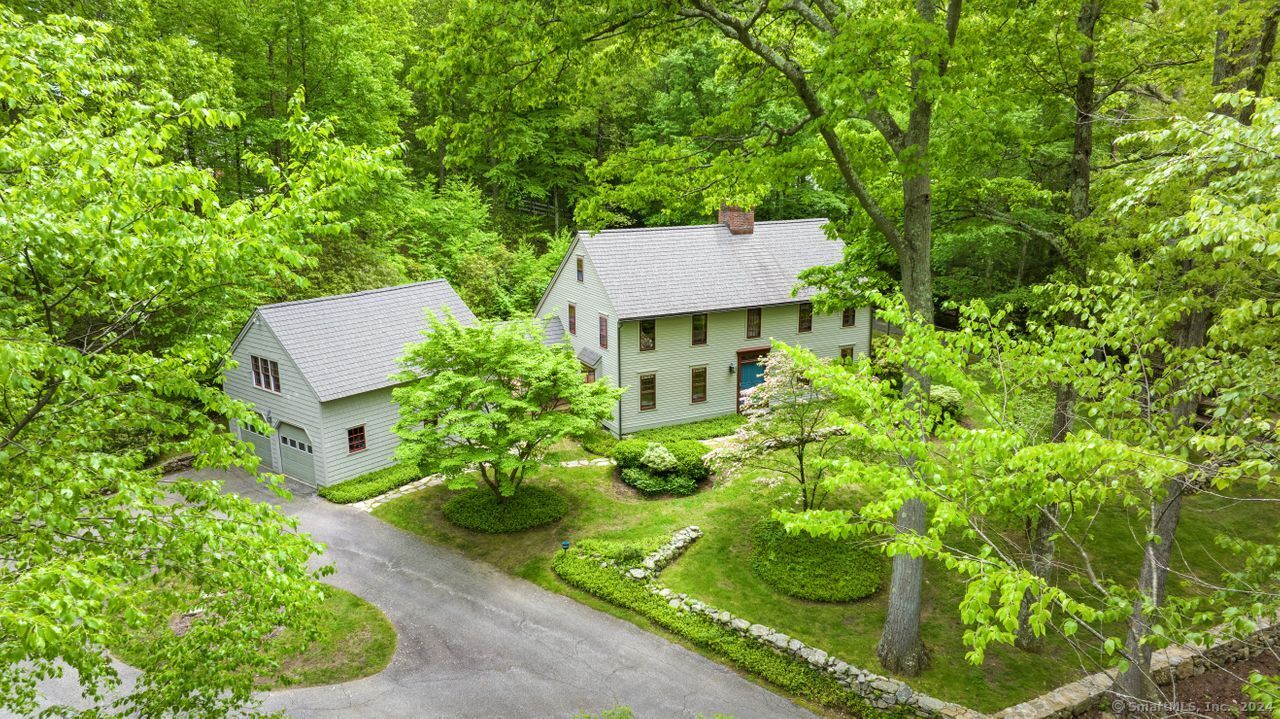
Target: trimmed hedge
[[479, 510], [579, 569], [661, 468], [371, 484], [702, 429], [821, 569]]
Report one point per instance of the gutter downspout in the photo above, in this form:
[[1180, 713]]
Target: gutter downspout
[[617, 333]]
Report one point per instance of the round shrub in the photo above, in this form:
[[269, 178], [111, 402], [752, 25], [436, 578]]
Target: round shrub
[[480, 510], [658, 458], [947, 399], [627, 452], [688, 454], [821, 569]]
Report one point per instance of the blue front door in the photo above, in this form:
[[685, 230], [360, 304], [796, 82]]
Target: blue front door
[[751, 375]]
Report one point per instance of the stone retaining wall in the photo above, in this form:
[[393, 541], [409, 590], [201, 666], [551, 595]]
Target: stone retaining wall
[[1167, 666], [881, 692]]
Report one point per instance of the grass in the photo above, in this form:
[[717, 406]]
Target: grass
[[718, 569], [354, 640], [702, 429], [370, 484]]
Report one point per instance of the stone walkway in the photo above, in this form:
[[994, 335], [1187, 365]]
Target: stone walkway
[[372, 503]]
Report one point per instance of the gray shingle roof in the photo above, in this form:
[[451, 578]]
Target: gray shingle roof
[[677, 270], [552, 331], [589, 357], [348, 344]]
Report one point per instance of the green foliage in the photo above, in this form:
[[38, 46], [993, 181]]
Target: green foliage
[[947, 400], [370, 484], [689, 459], [133, 276], [491, 400], [483, 511], [886, 360], [657, 458], [820, 569], [627, 452], [651, 482], [582, 570], [654, 468], [702, 429], [598, 441]]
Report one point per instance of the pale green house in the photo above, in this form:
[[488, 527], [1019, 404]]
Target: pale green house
[[319, 371], [681, 316]]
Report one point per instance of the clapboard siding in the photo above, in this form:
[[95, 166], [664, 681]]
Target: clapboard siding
[[378, 414], [591, 301], [675, 356], [295, 403]]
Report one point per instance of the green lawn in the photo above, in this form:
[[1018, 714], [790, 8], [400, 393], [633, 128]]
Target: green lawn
[[355, 640], [717, 569]]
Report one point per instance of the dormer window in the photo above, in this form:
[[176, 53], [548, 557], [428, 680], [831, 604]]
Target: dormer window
[[580, 273]]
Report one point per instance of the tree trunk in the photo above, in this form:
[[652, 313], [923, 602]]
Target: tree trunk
[[1234, 68], [1041, 546], [1153, 577], [900, 649]]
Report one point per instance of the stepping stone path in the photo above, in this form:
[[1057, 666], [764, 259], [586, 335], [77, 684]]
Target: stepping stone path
[[372, 503], [597, 462]]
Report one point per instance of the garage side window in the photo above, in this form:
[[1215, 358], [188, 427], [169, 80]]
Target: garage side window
[[355, 439], [266, 374]]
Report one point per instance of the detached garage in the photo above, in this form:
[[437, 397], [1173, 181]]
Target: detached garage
[[319, 372]]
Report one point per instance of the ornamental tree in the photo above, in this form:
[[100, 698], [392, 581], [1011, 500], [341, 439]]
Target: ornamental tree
[[789, 431], [123, 277], [490, 400]]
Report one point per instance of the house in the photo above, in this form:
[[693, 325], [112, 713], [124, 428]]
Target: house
[[682, 316], [319, 372]]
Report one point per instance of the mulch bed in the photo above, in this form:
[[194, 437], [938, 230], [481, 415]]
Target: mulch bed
[[1215, 694]]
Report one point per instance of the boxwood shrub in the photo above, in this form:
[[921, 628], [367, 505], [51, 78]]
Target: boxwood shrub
[[579, 568], [371, 484], [821, 569], [661, 467], [479, 510]]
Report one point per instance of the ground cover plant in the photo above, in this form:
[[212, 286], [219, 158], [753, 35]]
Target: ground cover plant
[[479, 510], [370, 484], [822, 569], [702, 429], [596, 567]]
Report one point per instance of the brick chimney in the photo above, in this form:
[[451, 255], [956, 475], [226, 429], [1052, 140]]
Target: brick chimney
[[738, 220]]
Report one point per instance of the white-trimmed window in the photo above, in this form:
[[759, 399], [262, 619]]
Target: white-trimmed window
[[266, 374]]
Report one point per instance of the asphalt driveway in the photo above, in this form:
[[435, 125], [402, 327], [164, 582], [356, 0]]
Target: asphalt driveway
[[474, 642]]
